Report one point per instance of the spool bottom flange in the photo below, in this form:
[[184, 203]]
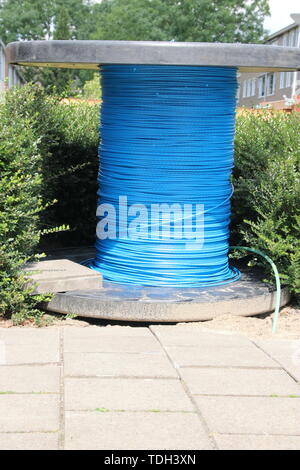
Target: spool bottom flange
[[247, 297]]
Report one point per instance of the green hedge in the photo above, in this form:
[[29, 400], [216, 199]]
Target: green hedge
[[49, 165], [70, 174], [68, 142], [266, 204], [20, 205]]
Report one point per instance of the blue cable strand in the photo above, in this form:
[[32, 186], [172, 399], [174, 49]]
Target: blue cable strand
[[167, 137]]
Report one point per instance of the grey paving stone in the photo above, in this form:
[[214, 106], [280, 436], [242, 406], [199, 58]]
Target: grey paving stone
[[116, 331], [29, 441], [286, 352], [134, 431], [216, 355], [97, 340], [118, 364], [195, 335], [218, 381], [126, 394], [29, 345], [249, 415], [28, 413], [250, 442], [26, 379], [61, 275]]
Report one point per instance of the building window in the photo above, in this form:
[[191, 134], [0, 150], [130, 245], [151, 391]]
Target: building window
[[262, 86], [286, 79], [253, 87], [289, 79], [270, 84], [266, 85], [292, 38], [249, 88], [297, 32], [286, 40]]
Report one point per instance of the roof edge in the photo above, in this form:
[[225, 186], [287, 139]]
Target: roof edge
[[295, 17]]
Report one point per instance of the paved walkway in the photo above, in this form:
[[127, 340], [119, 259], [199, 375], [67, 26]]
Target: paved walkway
[[163, 387]]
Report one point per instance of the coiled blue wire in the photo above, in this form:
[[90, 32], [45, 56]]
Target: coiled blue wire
[[167, 137]]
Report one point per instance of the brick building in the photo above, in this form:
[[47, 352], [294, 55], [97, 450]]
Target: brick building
[[277, 89]]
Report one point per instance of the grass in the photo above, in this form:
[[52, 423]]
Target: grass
[[285, 396]]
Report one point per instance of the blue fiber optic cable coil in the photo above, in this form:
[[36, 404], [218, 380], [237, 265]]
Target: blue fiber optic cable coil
[[167, 137]]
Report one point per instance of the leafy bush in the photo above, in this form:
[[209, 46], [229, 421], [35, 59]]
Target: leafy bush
[[20, 205], [48, 153], [266, 212], [68, 144], [70, 171], [92, 89]]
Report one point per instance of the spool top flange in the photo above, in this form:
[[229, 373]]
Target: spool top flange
[[93, 54]]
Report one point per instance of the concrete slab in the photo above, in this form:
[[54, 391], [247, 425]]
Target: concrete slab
[[29, 413], [215, 355], [29, 345], [29, 441], [62, 275], [195, 334], [111, 331], [134, 431], [250, 442], [156, 411], [218, 381], [97, 340], [248, 415], [118, 364], [90, 54], [29, 379], [286, 352], [126, 394]]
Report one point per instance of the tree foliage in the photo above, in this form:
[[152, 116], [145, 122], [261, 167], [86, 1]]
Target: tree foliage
[[63, 25], [51, 19], [39, 19], [188, 20]]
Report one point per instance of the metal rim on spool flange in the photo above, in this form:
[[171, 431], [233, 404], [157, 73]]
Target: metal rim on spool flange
[[91, 54]]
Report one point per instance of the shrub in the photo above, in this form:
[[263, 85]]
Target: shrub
[[68, 144], [92, 89], [20, 205], [48, 153], [70, 171], [266, 213]]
